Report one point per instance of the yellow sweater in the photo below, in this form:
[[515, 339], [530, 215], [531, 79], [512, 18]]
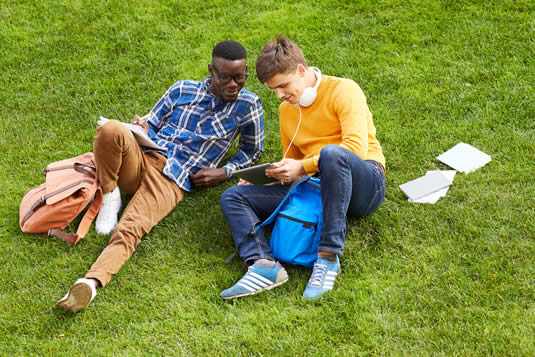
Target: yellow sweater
[[339, 115]]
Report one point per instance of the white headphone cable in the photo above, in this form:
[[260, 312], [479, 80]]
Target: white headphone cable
[[296, 130]]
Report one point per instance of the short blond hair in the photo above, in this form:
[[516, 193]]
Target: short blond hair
[[279, 56]]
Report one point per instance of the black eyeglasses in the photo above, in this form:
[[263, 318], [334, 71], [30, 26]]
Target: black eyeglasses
[[225, 77]]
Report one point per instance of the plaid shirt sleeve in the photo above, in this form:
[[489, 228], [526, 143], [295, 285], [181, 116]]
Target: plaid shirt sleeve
[[251, 142], [158, 116]]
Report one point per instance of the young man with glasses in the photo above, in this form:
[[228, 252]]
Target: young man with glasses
[[196, 123], [326, 129]]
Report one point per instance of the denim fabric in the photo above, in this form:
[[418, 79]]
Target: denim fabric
[[244, 207], [350, 187]]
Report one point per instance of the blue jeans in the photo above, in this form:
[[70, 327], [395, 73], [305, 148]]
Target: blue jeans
[[350, 187]]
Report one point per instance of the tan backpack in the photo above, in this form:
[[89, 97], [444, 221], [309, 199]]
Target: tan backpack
[[70, 185]]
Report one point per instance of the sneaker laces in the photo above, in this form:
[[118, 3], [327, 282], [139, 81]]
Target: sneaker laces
[[317, 274], [249, 269]]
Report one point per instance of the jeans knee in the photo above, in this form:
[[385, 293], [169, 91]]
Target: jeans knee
[[330, 156], [230, 195]]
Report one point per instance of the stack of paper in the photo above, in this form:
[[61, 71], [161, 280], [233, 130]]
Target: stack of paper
[[435, 196], [435, 184], [428, 188], [464, 158]]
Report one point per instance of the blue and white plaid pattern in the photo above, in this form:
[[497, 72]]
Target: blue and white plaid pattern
[[198, 129]]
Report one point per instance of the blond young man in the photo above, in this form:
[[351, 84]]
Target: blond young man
[[327, 130]]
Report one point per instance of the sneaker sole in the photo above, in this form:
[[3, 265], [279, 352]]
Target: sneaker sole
[[78, 298], [257, 291]]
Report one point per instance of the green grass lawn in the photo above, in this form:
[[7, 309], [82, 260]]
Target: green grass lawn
[[454, 278]]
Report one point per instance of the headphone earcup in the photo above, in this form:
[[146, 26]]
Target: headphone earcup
[[308, 97], [309, 94]]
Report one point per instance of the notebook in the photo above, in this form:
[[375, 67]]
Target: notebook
[[425, 185], [142, 138], [432, 198], [464, 158]]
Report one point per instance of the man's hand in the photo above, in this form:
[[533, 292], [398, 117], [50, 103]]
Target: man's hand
[[286, 170], [140, 122], [209, 177], [243, 182]]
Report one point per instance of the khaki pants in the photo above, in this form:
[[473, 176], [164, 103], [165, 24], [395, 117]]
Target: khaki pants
[[120, 161]]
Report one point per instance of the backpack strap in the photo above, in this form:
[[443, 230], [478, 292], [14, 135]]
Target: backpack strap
[[85, 223], [77, 166], [230, 257], [90, 215], [273, 215], [313, 184], [71, 238]]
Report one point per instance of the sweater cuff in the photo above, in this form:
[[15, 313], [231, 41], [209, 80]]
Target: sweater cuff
[[309, 166]]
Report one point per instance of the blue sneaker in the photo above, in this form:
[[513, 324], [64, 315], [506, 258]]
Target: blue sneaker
[[322, 278], [257, 279]]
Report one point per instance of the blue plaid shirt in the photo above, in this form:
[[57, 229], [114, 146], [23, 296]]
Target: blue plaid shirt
[[198, 129]]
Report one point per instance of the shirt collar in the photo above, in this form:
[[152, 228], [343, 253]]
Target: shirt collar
[[206, 82]]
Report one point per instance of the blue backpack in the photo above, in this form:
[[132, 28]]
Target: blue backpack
[[297, 224]]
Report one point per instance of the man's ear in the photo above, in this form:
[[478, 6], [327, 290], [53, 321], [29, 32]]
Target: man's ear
[[210, 69], [301, 70]]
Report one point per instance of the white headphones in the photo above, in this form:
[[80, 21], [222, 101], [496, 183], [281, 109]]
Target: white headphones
[[307, 99], [309, 94]]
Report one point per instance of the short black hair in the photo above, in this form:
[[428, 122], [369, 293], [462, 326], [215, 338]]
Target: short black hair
[[229, 50]]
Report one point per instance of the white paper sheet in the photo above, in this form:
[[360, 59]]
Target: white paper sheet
[[435, 196], [425, 185], [464, 158]]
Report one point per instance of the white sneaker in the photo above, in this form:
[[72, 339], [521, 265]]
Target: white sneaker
[[107, 216], [79, 295]]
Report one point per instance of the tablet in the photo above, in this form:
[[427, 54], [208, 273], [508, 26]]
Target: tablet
[[255, 175]]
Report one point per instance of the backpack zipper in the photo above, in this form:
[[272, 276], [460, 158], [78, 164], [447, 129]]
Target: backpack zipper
[[306, 224]]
